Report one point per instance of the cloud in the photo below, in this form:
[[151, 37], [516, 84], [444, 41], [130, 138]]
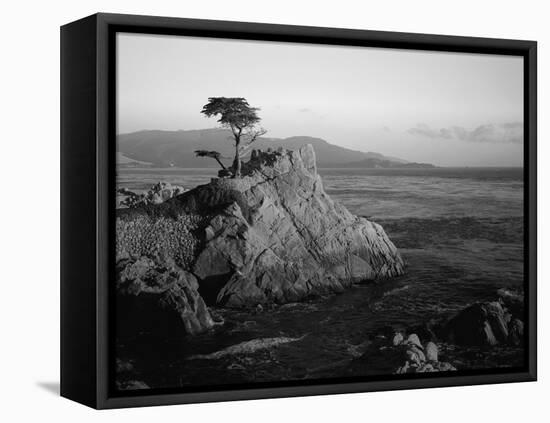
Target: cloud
[[510, 132], [312, 113], [424, 130]]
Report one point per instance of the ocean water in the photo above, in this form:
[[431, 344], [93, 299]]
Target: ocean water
[[460, 231]]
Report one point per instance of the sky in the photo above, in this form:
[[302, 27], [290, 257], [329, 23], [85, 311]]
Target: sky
[[449, 109]]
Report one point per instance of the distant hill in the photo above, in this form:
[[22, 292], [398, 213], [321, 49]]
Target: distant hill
[[373, 163], [123, 161], [176, 148]]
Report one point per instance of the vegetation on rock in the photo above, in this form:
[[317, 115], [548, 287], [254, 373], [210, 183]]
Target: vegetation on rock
[[158, 237], [237, 115]]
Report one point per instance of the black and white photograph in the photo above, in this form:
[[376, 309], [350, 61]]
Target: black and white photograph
[[291, 212], [243, 211]]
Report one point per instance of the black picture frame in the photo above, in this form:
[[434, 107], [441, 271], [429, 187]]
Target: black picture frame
[[87, 181]]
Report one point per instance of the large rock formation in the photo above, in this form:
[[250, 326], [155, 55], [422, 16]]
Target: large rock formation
[[273, 235], [158, 297]]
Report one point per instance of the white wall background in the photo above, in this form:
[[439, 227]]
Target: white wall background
[[29, 298]]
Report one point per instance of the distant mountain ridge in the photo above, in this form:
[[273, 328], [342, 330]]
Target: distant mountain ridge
[[176, 148], [122, 160], [374, 163]]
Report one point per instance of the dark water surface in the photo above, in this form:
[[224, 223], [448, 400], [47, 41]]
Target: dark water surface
[[460, 231]]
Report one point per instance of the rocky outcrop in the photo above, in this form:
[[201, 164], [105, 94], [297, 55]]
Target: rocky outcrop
[[488, 323], [163, 296], [512, 300], [404, 354], [418, 358], [286, 239], [515, 332], [272, 236], [479, 324], [125, 377], [157, 194], [482, 335]]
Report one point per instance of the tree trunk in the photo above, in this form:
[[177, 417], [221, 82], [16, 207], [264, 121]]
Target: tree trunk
[[237, 161], [220, 163]]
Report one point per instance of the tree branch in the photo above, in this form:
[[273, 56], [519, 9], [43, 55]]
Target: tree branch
[[213, 154]]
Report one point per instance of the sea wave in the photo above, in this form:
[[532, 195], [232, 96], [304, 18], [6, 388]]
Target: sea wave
[[247, 347]]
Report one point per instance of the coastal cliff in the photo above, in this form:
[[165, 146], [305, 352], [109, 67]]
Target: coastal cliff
[[272, 236]]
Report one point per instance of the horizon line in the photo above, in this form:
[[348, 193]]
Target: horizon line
[[388, 156]]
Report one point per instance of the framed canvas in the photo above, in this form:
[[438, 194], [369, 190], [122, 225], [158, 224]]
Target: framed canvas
[[257, 211]]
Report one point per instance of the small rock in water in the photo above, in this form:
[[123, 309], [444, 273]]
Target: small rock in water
[[358, 350], [512, 299], [398, 339], [431, 351], [123, 366], [157, 194], [444, 367], [235, 366], [481, 324], [415, 355], [131, 385], [425, 368], [408, 356], [487, 330], [496, 316], [403, 369], [515, 335], [414, 340]]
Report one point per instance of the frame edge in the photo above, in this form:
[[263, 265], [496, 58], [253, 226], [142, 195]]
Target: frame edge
[[106, 21], [78, 210]]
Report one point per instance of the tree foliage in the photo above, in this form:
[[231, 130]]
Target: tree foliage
[[237, 115]]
